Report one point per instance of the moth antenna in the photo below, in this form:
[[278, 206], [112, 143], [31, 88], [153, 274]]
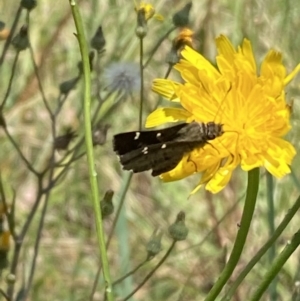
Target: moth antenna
[[218, 111], [220, 105], [222, 101]]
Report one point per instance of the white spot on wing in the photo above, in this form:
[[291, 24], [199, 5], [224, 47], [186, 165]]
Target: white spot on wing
[[145, 150], [158, 135], [164, 145], [137, 135]]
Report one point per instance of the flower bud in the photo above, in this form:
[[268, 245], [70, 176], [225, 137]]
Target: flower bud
[[98, 40], [154, 244], [141, 31], [185, 37], [144, 13], [181, 18], [91, 59], [99, 134], [20, 41], [178, 230], [68, 85], [107, 206], [62, 142], [11, 278], [29, 4], [173, 57]]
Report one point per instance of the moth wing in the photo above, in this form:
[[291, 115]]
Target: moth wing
[[130, 141], [159, 157]]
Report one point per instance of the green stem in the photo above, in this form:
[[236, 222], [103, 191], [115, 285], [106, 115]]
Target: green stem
[[89, 146], [36, 71], [277, 266], [120, 202], [142, 84], [13, 72], [251, 194], [131, 272], [159, 42], [152, 272], [290, 214], [11, 34], [271, 218]]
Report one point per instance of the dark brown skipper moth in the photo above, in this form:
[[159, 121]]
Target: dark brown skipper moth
[[162, 150]]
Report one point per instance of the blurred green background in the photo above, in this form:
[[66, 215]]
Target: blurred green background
[[68, 257]]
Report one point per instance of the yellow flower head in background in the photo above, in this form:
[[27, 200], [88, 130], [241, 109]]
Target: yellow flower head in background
[[147, 10], [185, 37], [251, 107]]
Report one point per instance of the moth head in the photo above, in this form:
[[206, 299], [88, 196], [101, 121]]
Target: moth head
[[214, 130]]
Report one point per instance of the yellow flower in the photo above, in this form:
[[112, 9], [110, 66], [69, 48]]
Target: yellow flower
[[185, 37], [147, 10], [251, 107]]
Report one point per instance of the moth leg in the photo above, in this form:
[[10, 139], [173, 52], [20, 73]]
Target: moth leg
[[190, 160]]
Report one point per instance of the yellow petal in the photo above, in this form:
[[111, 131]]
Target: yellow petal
[[277, 169], [251, 162], [225, 48], [210, 172], [199, 62], [272, 67], [188, 72], [165, 115], [248, 53], [292, 75], [184, 169], [166, 88], [219, 181], [147, 9], [223, 175]]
